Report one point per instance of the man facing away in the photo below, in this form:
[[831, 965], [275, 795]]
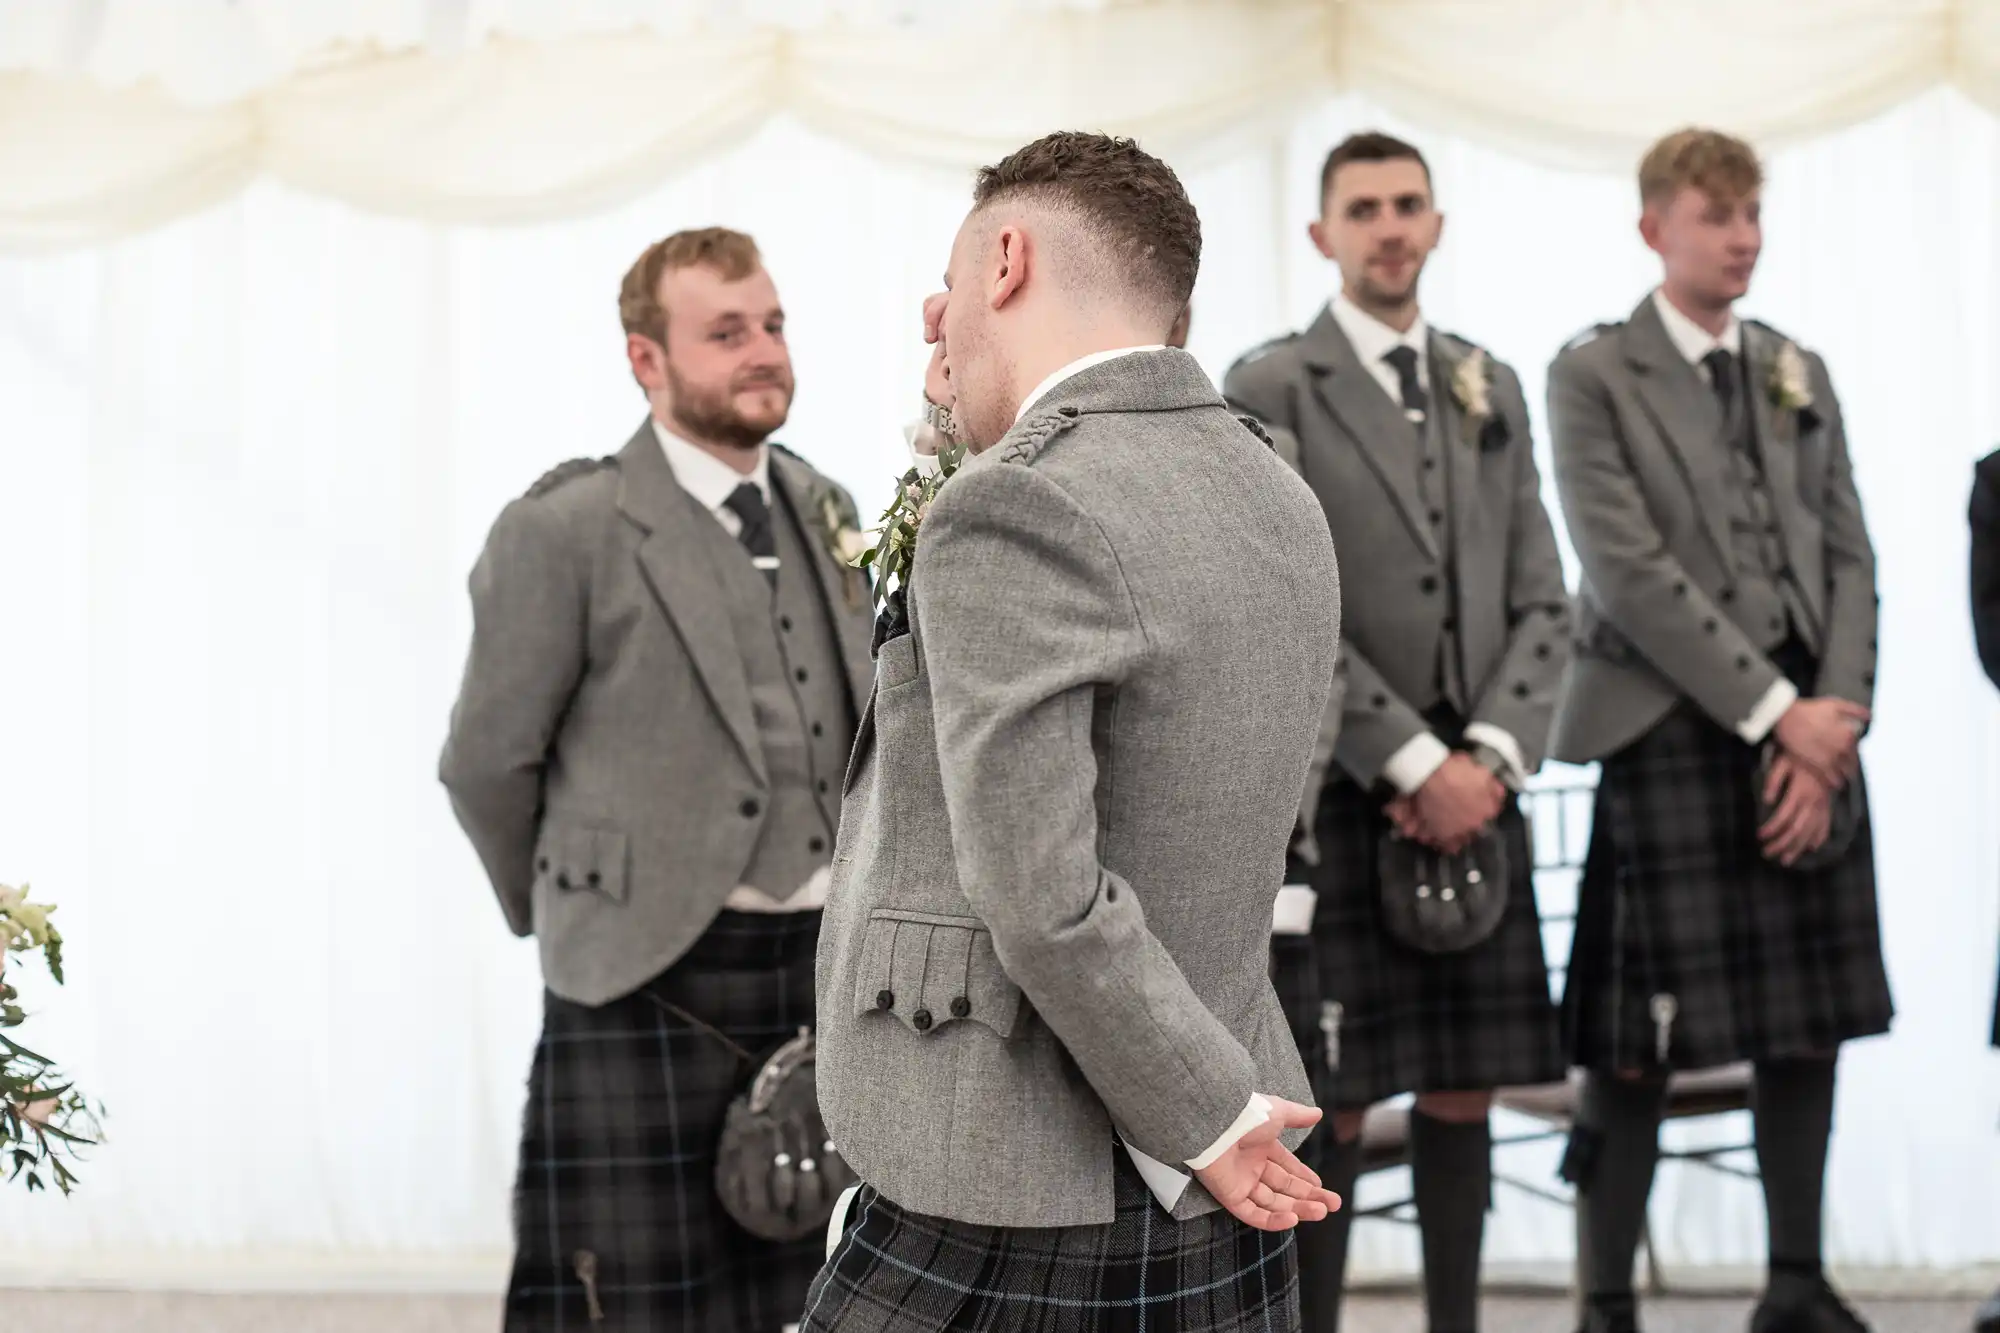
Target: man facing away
[[1043, 971], [1455, 633], [1726, 621], [667, 657]]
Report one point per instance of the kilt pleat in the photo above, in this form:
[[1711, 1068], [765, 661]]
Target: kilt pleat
[[895, 1271], [625, 1108], [1692, 945], [1412, 1021]]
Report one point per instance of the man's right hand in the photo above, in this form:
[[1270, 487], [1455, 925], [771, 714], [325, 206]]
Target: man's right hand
[[1454, 804], [1261, 1183], [1825, 735]]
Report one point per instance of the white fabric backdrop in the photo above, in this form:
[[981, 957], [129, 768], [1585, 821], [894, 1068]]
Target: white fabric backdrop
[[248, 460], [117, 115]]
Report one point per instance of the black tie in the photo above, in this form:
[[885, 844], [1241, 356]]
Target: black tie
[[1722, 377], [1404, 360], [747, 503]]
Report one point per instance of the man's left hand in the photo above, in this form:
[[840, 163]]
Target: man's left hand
[[1259, 1180]]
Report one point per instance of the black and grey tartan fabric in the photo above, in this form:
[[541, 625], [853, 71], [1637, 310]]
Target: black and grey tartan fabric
[[896, 1271], [1691, 949], [625, 1108], [1410, 1021]]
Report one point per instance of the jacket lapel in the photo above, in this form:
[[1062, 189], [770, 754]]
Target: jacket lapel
[[845, 589], [687, 589], [1368, 417], [1688, 417], [1778, 441], [864, 736]]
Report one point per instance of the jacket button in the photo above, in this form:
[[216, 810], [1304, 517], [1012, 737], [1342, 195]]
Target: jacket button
[[1728, 596], [817, 845], [921, 1020], [818, 730], [1110, 893], [1430, 583], [961, 1007], [593, 879], [823, 787], [543, 865], [1450, 625], [1709, 625], [885, 999], [785, 623], [562, 880], [1380, 701], [1437, 517], [801, 674], [1680, 588], [749, 808], [1520, 690], [1541, 652], [1742, 664]]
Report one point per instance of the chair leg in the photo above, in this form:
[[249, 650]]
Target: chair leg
[[1656, 1281]]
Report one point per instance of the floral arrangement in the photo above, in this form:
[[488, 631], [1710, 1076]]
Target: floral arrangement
[[895, 548], [43, 1119]]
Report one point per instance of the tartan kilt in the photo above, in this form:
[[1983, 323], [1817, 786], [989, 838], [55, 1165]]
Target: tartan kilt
[[1678, 904], [1412, 1021], [896, 1271], [625, 1110]]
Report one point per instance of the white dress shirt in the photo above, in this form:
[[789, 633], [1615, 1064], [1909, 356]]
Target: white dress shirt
[[711, 482], [1695, 342], [1413, 763]]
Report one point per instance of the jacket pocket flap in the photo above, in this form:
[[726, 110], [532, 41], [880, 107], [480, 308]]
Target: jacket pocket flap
[[572, 859], [931, 971]]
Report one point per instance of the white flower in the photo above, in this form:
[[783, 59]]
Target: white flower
[[1790, 388], [1471, 388]]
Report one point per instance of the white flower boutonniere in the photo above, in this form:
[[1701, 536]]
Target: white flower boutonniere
[[845, 541], [1472, 385], [1791, 390]]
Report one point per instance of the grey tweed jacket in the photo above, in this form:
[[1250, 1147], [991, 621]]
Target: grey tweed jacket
[[1069, 805], [1644, 490], [604, 733]]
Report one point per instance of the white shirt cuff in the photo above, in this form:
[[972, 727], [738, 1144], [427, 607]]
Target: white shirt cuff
[[1255, 1114], [1411, 767], [1501, 742], [1781, 696]]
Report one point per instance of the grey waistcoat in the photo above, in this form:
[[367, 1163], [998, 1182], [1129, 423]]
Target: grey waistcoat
[[1768, 605], [800, 698]]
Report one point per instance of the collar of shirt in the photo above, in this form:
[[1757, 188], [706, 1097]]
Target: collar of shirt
[[1692, 340], [1374, 340], [1077, 367], [709, 479]]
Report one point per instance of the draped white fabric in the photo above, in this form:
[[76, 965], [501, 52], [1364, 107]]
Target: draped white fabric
[[116, 115], [249, 458]]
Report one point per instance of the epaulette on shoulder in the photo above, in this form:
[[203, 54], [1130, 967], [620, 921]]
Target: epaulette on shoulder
[[1591, 335], [567, 472], [1026, 441], [1256, 428], [1776, 335], [1264, 349]]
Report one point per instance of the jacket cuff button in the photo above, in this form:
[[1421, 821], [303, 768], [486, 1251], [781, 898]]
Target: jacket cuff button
[[593, 879], [1520, 690], [921, 1020], [748, 809], [885, 999], [961, 1007], [562, 880]]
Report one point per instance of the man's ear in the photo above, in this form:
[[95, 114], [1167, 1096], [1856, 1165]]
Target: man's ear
[[1016, 258]]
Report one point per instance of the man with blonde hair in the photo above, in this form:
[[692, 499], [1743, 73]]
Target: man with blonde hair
[[668, 652], [1724, 671]]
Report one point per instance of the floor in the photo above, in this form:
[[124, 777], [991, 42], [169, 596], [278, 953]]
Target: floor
[[122, 1312]]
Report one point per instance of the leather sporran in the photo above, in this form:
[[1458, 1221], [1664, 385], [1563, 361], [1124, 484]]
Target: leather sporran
[[1435, 903], [1849, 808], [777, 1173]]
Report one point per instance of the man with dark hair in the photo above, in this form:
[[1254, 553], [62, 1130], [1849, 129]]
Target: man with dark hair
[[1050, 1046], [1724, 670], [1417, 444], [668, 650], [1983, 515]]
